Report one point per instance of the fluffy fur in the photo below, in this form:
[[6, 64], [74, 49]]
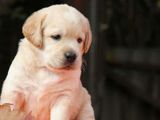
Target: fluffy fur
[[39, 80]]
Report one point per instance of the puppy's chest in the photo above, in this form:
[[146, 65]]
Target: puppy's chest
[[38, 92], [40, 85], [43, 90]]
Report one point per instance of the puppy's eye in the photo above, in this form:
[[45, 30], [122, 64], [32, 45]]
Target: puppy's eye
[[79, 40], [56, 37]]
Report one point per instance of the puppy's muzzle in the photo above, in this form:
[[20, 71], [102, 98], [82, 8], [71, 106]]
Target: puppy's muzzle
[[70, 57]]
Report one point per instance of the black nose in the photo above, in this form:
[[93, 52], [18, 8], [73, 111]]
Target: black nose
[[70, 56]]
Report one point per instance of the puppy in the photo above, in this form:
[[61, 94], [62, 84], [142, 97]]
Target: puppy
[[44, 77]]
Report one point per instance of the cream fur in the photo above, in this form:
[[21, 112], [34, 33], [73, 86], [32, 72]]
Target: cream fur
[[38, 81]]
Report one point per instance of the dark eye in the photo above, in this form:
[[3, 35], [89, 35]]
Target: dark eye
[[79, 40], [56, 37]]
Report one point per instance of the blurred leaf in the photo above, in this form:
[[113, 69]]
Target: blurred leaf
[[4, 5], [18, 13], [158, 3]]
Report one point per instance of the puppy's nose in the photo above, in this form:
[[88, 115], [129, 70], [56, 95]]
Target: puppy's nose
[[70, 56]]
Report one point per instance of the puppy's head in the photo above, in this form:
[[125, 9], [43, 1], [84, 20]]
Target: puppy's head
[[61, 33]]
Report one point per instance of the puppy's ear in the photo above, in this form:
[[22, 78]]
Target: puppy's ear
[[88, 37], [32, 28]]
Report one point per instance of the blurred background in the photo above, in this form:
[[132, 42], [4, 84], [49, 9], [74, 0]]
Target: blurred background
[[123, 66]]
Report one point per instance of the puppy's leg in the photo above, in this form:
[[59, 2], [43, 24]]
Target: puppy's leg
[[61, 110], [86, 112]]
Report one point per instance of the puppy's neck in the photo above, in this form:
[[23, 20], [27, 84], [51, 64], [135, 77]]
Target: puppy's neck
[[66, 73]]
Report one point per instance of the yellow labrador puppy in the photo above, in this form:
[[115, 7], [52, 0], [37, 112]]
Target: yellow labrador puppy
[[44, 77]]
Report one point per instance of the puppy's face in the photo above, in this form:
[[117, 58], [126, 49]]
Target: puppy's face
[[61, 33]]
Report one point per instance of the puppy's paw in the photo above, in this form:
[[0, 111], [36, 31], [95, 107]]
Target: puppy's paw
[[7, 113]]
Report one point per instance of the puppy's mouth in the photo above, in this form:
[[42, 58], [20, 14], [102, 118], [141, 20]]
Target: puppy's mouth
[[66, 67]]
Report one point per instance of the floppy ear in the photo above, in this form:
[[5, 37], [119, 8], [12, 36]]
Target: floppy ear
[[88, 37], [32, 28]]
